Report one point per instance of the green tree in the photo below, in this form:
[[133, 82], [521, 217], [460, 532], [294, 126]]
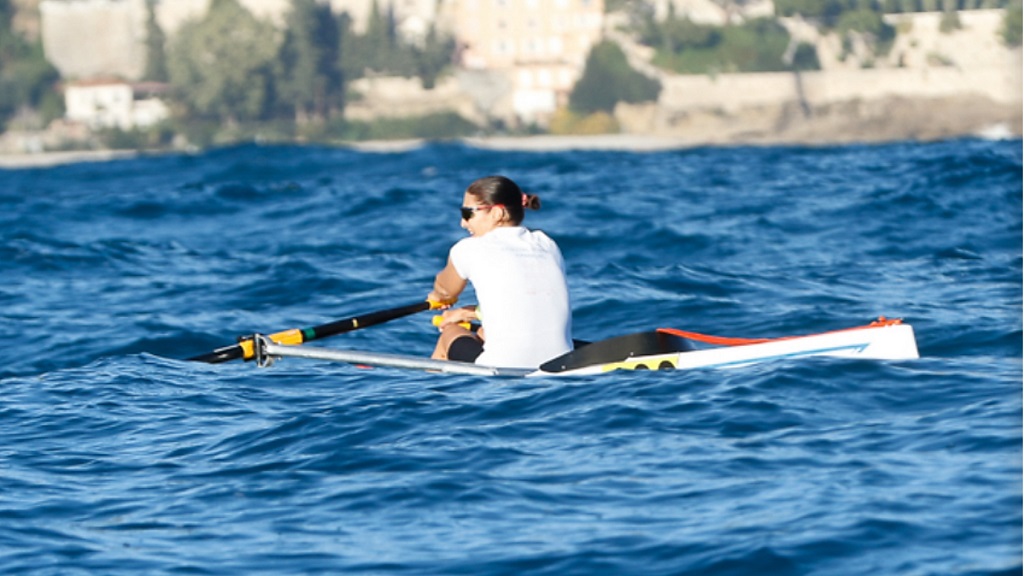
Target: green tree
[[910, 6], [867, 21], [350, 61], [754, 46], [380, 48], [680, 34], [609, 79], [828, 11], [379, 38], [674, 34], [879, 34], [222, 66], [27, 80], [433, 57], [805, 57], [156, 55], [1012, 24], [310, 76]]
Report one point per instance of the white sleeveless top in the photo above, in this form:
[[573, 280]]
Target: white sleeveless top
[[519, 279]]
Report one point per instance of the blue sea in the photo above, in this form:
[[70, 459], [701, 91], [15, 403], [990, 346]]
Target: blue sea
[[119, 457]]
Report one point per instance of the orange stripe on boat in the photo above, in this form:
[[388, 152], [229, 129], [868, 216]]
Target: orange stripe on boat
[[730, 341]]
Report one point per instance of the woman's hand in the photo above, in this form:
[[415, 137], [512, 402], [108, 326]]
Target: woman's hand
[[445, 303], [457, 316]]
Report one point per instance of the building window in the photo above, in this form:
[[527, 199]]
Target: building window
[[544, 78]]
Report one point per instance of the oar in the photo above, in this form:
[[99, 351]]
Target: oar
[[295, 336]]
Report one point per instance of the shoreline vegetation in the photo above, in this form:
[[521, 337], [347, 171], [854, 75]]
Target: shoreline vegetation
[[533, 143], [854, 73]]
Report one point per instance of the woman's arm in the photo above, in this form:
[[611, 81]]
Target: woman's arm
[[448, 285]]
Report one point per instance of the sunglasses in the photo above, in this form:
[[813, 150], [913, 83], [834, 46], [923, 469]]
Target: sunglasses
[[469, 211]]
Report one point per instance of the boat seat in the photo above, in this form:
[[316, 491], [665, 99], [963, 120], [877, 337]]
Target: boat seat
[[618, 349]]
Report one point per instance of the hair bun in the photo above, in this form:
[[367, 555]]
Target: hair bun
[[531, 201]]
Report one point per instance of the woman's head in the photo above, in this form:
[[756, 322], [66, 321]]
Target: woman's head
[[501, 191]]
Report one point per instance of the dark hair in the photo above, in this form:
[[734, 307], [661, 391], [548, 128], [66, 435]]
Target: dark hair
[[493, 190]]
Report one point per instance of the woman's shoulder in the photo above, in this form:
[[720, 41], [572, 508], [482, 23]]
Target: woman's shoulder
[[541, 236], [510, 235], [521, 233], [466, 243]]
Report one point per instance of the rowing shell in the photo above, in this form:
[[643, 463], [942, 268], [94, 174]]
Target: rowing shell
[[664, 349]]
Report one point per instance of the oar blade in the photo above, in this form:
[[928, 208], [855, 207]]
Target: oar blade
[[220, 355]]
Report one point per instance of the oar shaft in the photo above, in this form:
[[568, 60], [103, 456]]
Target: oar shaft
[[244, 349], [364, 321]]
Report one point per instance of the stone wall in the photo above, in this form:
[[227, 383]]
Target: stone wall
[[389, 97], [999, 81], [931, 85]]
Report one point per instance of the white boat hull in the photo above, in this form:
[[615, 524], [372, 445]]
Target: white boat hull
[[876, 343], [888, 342]]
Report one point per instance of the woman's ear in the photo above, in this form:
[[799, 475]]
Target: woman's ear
[[497, 214]]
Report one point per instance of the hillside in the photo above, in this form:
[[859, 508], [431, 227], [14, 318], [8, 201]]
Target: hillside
[[931, 85], [936, 81]]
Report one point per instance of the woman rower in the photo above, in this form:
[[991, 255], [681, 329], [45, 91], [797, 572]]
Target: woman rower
[[519, 279]]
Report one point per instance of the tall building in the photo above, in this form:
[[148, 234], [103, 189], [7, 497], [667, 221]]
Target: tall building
[[541, 45]]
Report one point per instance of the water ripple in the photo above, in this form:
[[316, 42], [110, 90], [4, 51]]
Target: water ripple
[[119, 458]]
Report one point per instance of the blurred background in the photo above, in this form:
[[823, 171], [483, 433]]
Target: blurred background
[[100, 75]]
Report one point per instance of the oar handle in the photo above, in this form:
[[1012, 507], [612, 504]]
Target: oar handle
[[436, 321], [244, 349]]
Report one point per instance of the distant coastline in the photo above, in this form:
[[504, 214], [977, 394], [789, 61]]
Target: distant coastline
[[46, 159], [537, 143], [933, 85]]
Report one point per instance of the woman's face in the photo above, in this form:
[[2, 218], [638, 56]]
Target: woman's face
[[483, 220]]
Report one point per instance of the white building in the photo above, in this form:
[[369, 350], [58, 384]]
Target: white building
[[542, 46], [114, 104]]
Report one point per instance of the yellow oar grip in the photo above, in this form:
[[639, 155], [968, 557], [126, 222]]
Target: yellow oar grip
[[436, 320]]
